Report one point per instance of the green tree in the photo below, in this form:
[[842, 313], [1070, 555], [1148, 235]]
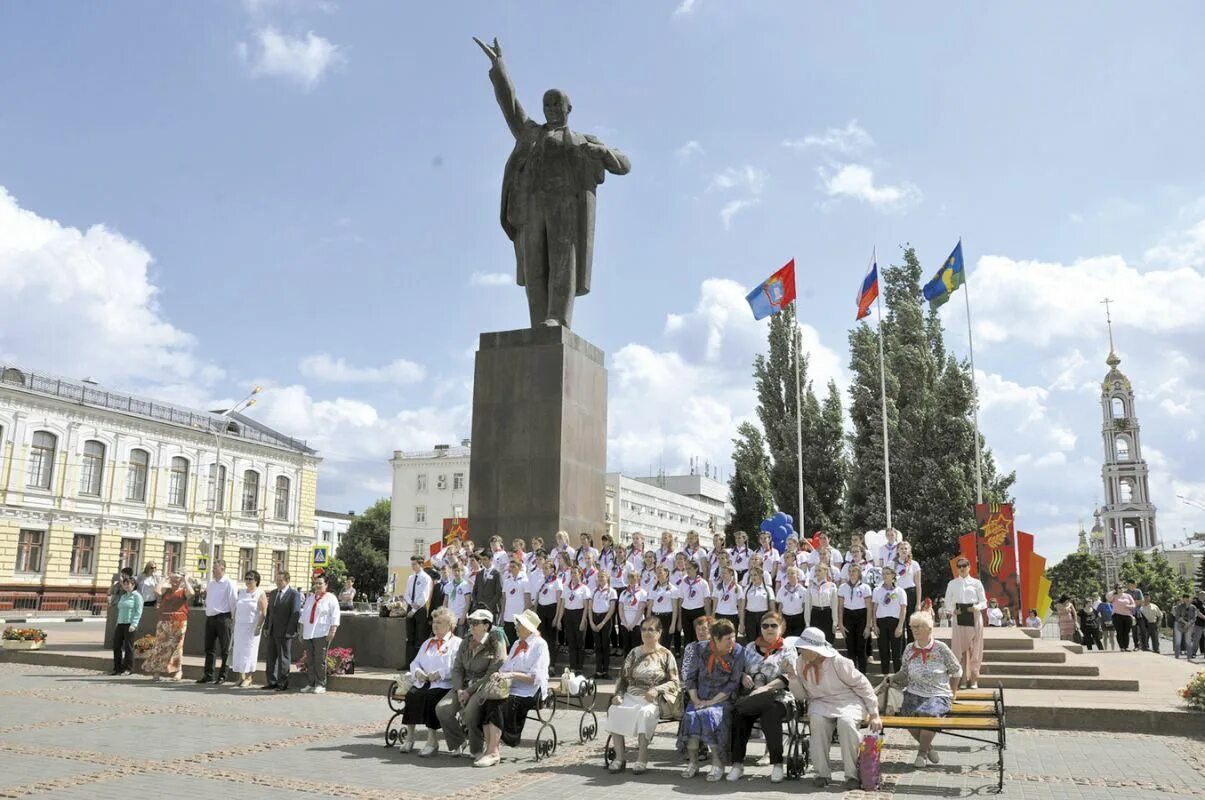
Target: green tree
[[1201, 574], [823, 456], [336, 575], [750, 487], [1077, 575], [364, 549], [1156, 578], [932, 435]]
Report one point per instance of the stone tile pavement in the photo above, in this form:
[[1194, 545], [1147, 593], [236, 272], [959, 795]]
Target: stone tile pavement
[[69, 733]]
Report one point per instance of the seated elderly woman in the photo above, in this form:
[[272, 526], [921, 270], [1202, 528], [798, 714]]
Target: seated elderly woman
[[711, 674], [767, 665], [837, 694], [648, 681], [480, 655], [432, 671], [928, 675], [526, 670]]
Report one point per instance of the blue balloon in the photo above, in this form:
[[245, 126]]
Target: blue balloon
[[767, 525]]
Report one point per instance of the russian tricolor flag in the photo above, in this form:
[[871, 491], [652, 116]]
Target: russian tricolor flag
[[870, 289]]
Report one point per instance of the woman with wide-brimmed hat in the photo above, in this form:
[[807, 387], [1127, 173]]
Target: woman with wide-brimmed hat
[[526, 667]]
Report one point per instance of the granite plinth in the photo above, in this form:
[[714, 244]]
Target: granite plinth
[[539, 435]]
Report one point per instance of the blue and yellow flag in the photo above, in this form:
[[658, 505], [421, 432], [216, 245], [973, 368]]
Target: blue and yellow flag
[[947, 279]]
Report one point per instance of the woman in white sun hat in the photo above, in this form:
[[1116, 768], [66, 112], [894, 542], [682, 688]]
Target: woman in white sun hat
[[526, 667], [837, 695]]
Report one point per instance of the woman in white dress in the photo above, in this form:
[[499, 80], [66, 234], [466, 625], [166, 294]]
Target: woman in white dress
[[249, 614]]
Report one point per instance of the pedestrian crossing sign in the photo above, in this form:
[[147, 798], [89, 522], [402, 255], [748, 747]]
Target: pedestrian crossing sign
[[318, 556], [202, 564]]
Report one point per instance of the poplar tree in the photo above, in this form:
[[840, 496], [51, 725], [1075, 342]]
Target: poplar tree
[[751, 490]]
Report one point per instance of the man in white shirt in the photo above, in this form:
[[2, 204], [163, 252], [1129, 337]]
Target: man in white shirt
[[319, 621], [220, 599], [417, 595]]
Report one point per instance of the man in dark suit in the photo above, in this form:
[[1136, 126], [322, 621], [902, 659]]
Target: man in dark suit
[[284, 610], [487, 586]]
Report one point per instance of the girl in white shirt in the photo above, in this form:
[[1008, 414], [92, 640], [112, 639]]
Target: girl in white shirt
[[822, 601], [633, 605], [695, 551], [664, 603], [908, 578], [769, 556], [590, 572], [619, 565], [889, 602], [600, 619], [792, 598], [740, 555], [648, 571], [727, 597], [666, 552], [856, 555], [722, 561], [694, 601], [545, 595], [514, 596], [853, 597], [570, 616], [678, 573], [758, 600], [756, 565], [432, 672]]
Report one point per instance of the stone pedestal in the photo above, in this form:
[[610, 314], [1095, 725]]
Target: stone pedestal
[[539, 436]]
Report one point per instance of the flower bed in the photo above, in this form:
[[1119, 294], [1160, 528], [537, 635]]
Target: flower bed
[[23, 638], [339, 661]]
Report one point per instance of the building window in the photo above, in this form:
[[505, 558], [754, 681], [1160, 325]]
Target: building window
[[30, 545], [173, 553], [1119, 408], [458, 481], [457, 512], [130, 555], [250, 493], [280, 560], [41, 459], [1127, 492], [421, 483], [217, 489], [177, 483], [92, 470], [217, 555], [140, 464], [420, 515], [282, 497], [1123, 448], [83, 552], [246, 561]]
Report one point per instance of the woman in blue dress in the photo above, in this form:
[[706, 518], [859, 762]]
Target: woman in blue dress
[[711, 675]]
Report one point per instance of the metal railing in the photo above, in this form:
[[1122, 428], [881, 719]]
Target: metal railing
[[85, 394], [50, 604]]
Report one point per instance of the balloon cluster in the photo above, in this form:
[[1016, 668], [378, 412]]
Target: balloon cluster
[[780, 527]]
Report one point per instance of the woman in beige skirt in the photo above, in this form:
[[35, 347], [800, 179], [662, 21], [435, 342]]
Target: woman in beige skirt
[[967, 599]]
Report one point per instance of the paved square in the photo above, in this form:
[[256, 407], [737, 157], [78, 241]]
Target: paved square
[[67, 733]]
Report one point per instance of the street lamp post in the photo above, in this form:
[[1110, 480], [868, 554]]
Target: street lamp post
[[242, 405], [1188, 502]]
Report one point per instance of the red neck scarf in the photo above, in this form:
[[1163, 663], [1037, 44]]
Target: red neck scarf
[[314, 608], [923, 652], [769, 648], [714, 657], [520, 648], [438, 645], [811, 672]]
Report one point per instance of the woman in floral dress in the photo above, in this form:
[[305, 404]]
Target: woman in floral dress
[[711, 675], [165, 658]]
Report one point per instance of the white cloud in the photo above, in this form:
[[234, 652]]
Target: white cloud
[[81, 303], [747, 181], [857, 181], [684, 7], [1037, 302], [303, 59], [851, 139], [687, 151], [491, 279], [1022, 409], [321, 367]]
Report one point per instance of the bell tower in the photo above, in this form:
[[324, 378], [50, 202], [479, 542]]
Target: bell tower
[[1127, 517]]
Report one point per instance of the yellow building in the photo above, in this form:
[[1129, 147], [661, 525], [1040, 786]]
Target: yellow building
[[93, 480]]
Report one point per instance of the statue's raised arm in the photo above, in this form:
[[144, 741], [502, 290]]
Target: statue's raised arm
[[504, 89]]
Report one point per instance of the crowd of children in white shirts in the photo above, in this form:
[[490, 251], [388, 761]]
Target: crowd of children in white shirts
[[595, 599]]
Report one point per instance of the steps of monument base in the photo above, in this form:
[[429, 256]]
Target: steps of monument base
[[1059, 683], [1018, 644], [1080, 670]]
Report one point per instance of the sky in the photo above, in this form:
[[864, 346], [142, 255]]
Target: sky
[[197, 198]]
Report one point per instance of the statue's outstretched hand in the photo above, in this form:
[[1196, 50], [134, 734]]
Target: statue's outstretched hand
[[494, 53]]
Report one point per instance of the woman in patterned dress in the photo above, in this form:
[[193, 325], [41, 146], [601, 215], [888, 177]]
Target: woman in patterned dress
[[165, 658], [711, 675], [649, 675]]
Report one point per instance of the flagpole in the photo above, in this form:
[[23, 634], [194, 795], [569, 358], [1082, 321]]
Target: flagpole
[[798, 419], [966, 293], [878, 301]]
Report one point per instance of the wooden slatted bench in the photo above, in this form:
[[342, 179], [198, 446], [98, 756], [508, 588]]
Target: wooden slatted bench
[[974, 711]]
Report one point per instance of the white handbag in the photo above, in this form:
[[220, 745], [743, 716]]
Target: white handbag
[[405, 682]]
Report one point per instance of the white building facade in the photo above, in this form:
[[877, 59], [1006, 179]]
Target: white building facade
[[329, 527], [673, 503], [92, 480], [428, 487]]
